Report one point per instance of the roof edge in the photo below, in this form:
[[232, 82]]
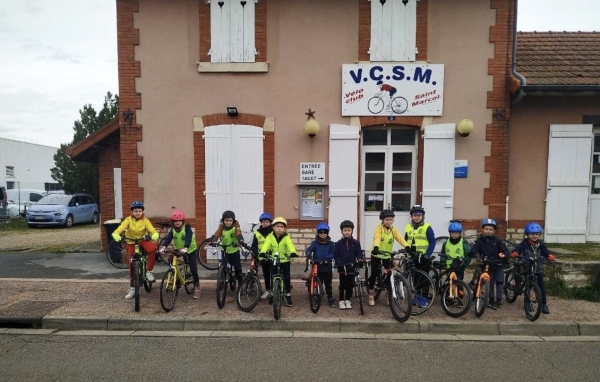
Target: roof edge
[[96, 137]]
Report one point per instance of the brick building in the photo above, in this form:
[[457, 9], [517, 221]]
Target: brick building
[[389, 80]]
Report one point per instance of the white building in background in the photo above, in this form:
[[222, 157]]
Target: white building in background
[[26, 165]]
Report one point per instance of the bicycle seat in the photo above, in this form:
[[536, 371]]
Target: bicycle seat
[[437, 264], [164, 224]]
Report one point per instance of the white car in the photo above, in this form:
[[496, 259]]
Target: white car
[[12, 211]]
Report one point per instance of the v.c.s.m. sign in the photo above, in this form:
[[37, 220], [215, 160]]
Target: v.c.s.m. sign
[[392, 89]]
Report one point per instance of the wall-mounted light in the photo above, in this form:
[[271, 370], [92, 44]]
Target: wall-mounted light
[[311, 127], [232, 111], [465, 127]]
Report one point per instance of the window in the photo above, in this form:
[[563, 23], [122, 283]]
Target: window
[[393, 30], [10, 185], [52, 186], [10, 171], [384, 137], [595, 188], [33, 197], [232, 28]]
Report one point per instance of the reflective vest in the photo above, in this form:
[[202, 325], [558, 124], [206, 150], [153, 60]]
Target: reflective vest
[[454, 251], [229, 240], [386, 244], [179, 240], [417, 238], [260, 239]]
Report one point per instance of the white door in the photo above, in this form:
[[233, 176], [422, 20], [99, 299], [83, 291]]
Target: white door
[[568, 183], [343, 176], [438, 176], [389, 163], [234, 174], [593, 233]]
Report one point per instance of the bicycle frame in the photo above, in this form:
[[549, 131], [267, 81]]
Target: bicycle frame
[[484, 275], [179, 272]]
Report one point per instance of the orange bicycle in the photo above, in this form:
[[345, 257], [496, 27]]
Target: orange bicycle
[[481, 286], [313, 283]]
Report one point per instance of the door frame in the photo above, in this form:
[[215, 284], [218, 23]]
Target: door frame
[[593, 199]]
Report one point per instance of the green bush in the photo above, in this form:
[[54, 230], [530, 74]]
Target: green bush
[[556, 286]]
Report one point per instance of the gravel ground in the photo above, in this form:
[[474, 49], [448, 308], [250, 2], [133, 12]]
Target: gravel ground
[[107, 299], [40, 238]]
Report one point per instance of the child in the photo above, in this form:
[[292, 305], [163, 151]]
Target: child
[[347, 253], [421, 239], [260, 235], [231, 239], [456, 249], [383, 240], [321, 250], [279, 241], [137, 226], [184, 240], [488, 245], [531, 247]]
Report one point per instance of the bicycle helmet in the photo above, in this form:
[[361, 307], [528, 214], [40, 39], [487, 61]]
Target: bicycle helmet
[[533, 227], [322, 226], [265, 216], [491, 222], [136, 204], [386, 213], [346, 223], [228, 215], [417, 208], [455, 227], [177, 215], [281, 220]]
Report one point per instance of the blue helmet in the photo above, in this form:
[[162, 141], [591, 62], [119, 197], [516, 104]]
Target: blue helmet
[[136, 204], [265, 216], [491, 222], [322, 226], [532, 227], [455, 227]]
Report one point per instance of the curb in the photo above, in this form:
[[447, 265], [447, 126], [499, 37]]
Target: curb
[[21, 322], [330, 326]]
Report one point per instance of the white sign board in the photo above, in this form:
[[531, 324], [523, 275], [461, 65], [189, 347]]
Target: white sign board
[[312, 172], [392, 89]]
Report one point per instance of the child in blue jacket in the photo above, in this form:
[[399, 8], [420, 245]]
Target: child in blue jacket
[[348, 254], [322, 250]]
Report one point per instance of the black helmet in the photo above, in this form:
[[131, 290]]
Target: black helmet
[[417, 208], [136, 204], [346, 223], [228, 215], [386, 213]]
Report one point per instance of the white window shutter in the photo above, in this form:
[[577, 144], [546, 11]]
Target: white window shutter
[[249, 30], [218, 173], [393, 30], [377, 31], [220, 31], [237, 30]]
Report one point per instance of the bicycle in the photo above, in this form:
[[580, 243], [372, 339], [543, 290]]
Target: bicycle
[[422, 285], [453, 292], [277, 283], [163, 231], [225, 276], [480, 283], [522, 279], [314, 285], [250, 289], [116, 251], [359, 283], [397, 289], [138, 265], [178, 274], [377, 103], [207, 251]]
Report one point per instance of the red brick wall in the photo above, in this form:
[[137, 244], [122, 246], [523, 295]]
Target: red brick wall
[[260, 31], [200, 173], [109, 157]]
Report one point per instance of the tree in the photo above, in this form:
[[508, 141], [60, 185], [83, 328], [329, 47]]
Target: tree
[[81, 176]]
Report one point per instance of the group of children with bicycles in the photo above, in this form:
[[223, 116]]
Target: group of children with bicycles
[[418, 240]]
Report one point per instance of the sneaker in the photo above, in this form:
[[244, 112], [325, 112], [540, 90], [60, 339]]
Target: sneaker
[[348, 304], [150, 276], [419, 301], [331, 301], [265, 295], [342, 304], [371, 298], [288, 300], [545, 309], [492, 304], [130, 293], [498, 304], [196, 293]]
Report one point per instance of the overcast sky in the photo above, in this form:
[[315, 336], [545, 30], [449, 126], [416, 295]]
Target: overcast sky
[[56, 56]]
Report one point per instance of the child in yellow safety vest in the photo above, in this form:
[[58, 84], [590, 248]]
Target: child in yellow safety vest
[[456, 251], [421, 240], [260, 235], [231, 239]]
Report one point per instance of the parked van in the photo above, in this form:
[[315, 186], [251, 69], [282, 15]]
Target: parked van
[[3, 203], [24, 198]]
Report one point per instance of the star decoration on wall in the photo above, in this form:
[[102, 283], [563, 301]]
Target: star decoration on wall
[[310, 113]]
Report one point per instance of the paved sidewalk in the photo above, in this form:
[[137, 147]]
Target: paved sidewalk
[[100, 305]]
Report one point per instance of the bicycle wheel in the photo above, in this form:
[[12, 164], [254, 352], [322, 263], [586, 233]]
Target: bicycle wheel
[[168, 290], [189, 281], [314, 292], [399, 105], [277, 297], [481, 301], [423, 291], [375, 105], [206, 256], [221, 286], [116, 253], [400, 298], [249, 293], [232, 280], [511, 287], [456, 301], [533, 301], [359, 293], [136, 283]]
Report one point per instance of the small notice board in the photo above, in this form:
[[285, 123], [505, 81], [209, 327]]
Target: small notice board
[[311, 203]]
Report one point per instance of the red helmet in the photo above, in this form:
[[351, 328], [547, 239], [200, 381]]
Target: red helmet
[[177, 215]]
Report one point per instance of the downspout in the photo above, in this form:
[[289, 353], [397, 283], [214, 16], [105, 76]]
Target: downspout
[[521, 92]]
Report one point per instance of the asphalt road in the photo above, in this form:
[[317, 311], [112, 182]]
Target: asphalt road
[[122, 358], [82, 266]]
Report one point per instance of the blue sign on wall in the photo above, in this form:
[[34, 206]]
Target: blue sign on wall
[[461, 168]]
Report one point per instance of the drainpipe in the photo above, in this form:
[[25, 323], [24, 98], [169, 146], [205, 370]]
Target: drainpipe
[[521, 92]]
